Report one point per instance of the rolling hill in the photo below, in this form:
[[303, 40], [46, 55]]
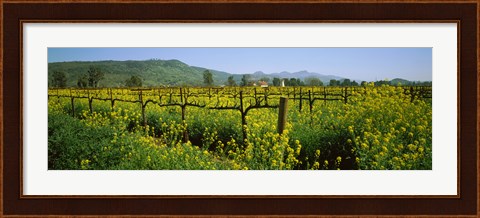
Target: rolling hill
[[152, 72], [155, 72]]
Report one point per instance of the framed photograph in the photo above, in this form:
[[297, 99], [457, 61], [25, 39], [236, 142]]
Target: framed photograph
[[239, 108]]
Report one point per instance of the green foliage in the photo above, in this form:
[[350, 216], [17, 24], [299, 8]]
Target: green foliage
[[313, 81], [246, 80], [157, 73], [82, 81], [378, 128], [346, 82], [153, 72], [134, 81], [265, 79], [72, 145], [276, 81], [101, 141], [231, 81], [94, 76], [207, 78], [59, 79], [294, 82], [334, 82]]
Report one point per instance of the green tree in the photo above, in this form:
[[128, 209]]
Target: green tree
[[364, 83], [382, 82], [265, 79], [334, 82], [276, 81], [82, 81], [346, 82], [245, 80], [313, 81], [207, 78], [94, 76], [427, 83], [134, 81], [293, 82], [231, 81], [59, 79]]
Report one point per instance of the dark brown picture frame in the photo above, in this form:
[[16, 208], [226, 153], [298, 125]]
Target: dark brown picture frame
[[13, 13]]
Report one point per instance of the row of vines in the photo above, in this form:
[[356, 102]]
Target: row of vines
[[236, 128]]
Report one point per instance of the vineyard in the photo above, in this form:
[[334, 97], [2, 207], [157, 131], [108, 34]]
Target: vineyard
[[238, 128]]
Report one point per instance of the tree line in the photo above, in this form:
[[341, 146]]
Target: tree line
[[247, 80], [94, 75], [90, 79]]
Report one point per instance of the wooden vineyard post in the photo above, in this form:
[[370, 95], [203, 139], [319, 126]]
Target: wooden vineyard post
[[185, 133], [265, 97], [140, 96], [244, 119], [183, 106], [112, 102], [90, 100], [282, 114], [310, 100], [73, 103], [58, 97], [181, 95], [346, 95], [300, 105]]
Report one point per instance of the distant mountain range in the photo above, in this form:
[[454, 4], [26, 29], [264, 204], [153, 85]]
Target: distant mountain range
[[156, 72], [300, 75]]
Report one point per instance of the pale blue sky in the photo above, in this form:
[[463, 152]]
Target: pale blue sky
[[355, 63]]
